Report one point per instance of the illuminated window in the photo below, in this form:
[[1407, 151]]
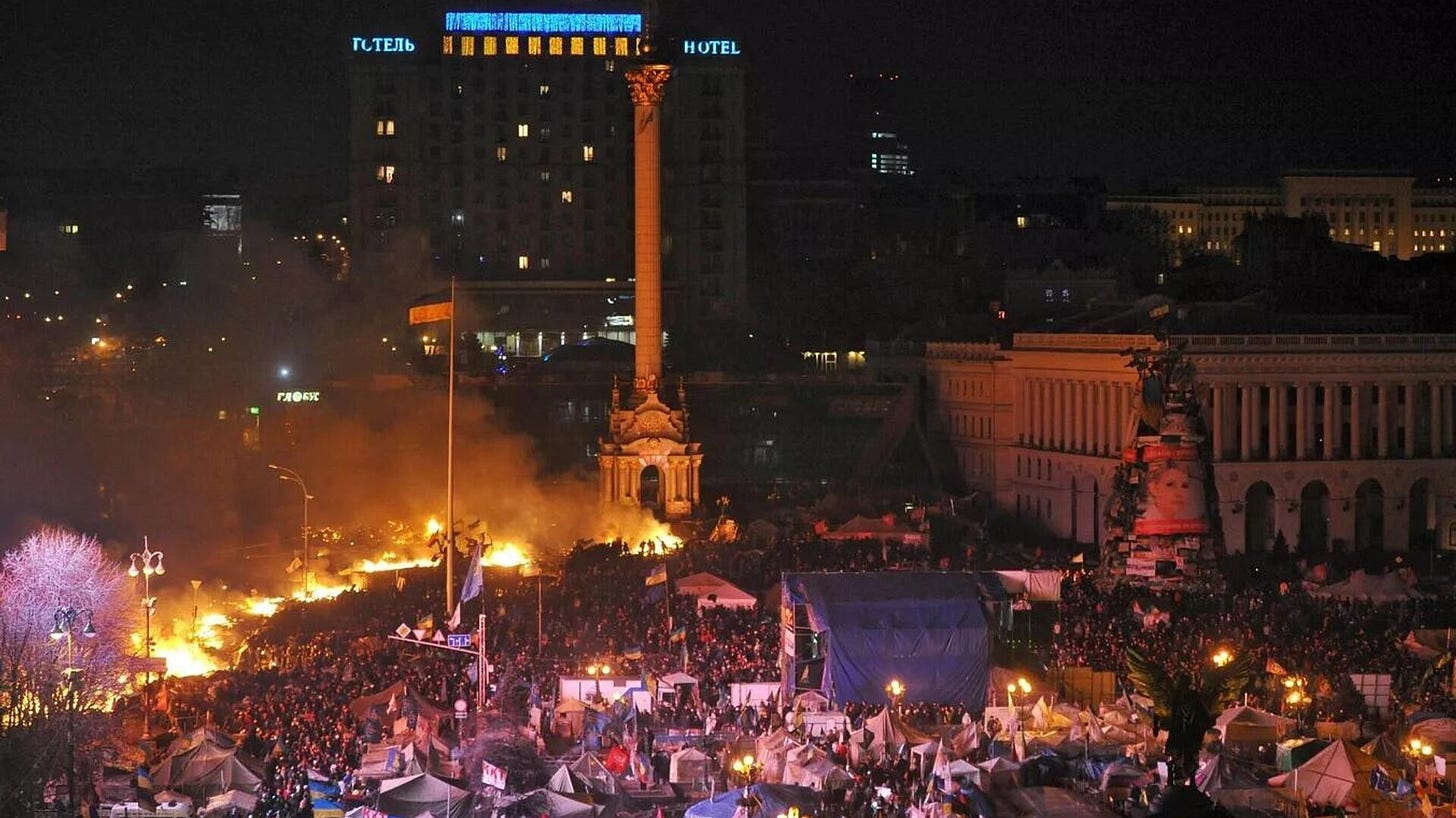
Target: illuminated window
[[1020, 221], [588, 153], [467, 46], [545, 175], [70, 229], [611, 66], [578, 46], [545, 262], [384, 127], [566, 197], [457, 217], [533, 46], [513, 45], [554, 46], [489, 46], [501, 153], [447, 45], [599, 46], [1375, 245], [619, 46], [523, 262], [545, 90], [385, 174], [523, 130]]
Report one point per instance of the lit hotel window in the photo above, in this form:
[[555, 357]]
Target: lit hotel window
[[70, 229], [513, 45], [599, 46], [385, 174], [384, 127], [1020, 221], [545, 262], [523, 130], [578, 46], [500, 154], [447, 45], [554, 46], [467, 46], [533, 46], [545, 175], [619, 46], [523, 262], [489, 46], [545, 90], [588, 153], [566, 197]]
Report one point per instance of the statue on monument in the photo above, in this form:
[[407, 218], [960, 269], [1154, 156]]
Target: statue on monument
[[1185, 711]]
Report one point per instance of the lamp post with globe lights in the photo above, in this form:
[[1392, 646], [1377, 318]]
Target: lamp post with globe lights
[[290, 476], [66, 619], [896, 691], [145, 563], [747, 768], [596, 670]]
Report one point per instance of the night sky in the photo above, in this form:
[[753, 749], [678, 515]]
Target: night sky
[[1132, 91]]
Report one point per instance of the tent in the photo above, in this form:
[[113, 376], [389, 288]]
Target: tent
[[1120, 775], [688, 766], [714, 591], [556, 805], [1331, 776], [1292, 753], [1232, 784], [172, 803], [811, 701], [222, 803], [207, 770], [875, 528], [1248, 725], [813, 768], [889, 729], [1374, 587], [202, 735], [397, 693], [414, 794], [1052, 802], [564, 782], [594, 771], [1385, 749], [773, 799], [1435, 731], [995, 774]]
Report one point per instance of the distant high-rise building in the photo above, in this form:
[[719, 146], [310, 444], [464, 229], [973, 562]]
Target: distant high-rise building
[[495, 146], [878, 120]]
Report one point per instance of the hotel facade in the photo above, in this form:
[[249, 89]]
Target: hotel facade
[[1345, 441]]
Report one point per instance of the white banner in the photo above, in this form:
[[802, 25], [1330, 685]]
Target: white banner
[[492, 776]]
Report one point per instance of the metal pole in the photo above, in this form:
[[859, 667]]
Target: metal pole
[[482, 669], [450, 475], [305, 539], [539, 638], [147, 687]]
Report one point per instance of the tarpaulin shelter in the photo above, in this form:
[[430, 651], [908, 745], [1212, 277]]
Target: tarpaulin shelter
[[1037, 586], [773, 799], [202, 735], [1385, 749], [222, 803], [688, 766], [1292, 753], [1242, 724], [397, 693], [813, 768], [1435, 731], [1052, 802], [995, 774], [595, 772], [169, 802], [1232, 784], [414, 794], [925, 629], [811, 701], [713, 591], [390, 761], [1331, 776], [565, 782], [1377, 588]]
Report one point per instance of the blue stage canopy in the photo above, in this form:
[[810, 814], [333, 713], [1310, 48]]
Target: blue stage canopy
[[926, 629]]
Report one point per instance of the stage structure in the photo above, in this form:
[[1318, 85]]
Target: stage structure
[[648, 458], [848, 635]]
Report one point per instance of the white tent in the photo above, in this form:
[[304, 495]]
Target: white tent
[[220, 804], [1331, 776], [1374, 587], [688, 766], [1242, 724], [996, 773], [414, 794], [1435, 731], [813, 768], [714, 591], [811, 701], [564, 782]]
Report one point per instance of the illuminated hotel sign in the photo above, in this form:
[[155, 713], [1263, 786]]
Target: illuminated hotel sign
[[384, 44], [526, 22], [710, 48], [298, 397]]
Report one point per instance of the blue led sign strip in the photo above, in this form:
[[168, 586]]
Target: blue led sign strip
[[532, 22]]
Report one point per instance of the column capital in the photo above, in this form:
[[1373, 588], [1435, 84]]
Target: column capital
[[647, 84]]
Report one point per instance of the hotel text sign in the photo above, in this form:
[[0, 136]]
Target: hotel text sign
[[373, 44], [710, 48]]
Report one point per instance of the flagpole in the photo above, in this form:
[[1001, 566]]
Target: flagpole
[[450, 466]]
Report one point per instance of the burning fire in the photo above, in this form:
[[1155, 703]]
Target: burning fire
[[657, 540], [264, 606], [505, 555], [389, 561]]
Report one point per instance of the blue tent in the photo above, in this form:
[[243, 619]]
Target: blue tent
[[774, 799], [926, 629]]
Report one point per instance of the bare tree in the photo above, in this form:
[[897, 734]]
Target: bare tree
[[68, 615]]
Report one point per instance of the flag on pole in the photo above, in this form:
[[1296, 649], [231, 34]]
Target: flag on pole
[[426, 623], [1273, 668], [633, 653], [294, 566], [658, 575], [454, 620], [474, 576], [679, 634]]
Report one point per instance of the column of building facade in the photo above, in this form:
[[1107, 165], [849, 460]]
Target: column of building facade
[[1332, 392], [1409, 450], [1382, 420], [1357, 421], [1059, 415], [1301, 421], [1083, 420], [1246, 421], [1215, 420], [1437, 418], [1045, 439], [1277, 409]]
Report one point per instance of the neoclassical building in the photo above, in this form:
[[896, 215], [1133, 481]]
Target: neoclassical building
[[1346, 440]]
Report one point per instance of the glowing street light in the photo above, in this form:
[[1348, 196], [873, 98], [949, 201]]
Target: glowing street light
[[597, 670], [145, 563], [1222, 657], [747, 768], [66, 619], [896, 689]]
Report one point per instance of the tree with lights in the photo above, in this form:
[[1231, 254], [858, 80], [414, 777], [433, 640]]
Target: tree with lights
[[67, 615]]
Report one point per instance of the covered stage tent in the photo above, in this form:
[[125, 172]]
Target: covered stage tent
[[925, 629]]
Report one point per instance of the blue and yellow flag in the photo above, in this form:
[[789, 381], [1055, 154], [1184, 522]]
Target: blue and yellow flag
[[679, 634], [658, 575]]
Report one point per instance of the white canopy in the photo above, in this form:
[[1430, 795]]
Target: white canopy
[[714, 591], [1242, 723], [688, 766], [1374, 587], [1331, 775]]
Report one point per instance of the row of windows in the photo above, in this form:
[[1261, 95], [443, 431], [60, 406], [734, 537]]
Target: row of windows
[[971, 425], [1436, 218], [490, 45], [964, 388], [1043, 467], [1346, 201]]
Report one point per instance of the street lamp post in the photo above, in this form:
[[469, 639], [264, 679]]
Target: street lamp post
[[65, 625], [196, 583], [146, 563], [1022, 686], [896, 690], [747, 767], [596, 671], [291, 476]]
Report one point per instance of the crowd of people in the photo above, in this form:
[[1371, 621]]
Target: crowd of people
[[288, 696]]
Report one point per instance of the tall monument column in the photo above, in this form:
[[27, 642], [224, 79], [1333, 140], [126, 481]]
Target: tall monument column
[[647, 85], [648, 459]]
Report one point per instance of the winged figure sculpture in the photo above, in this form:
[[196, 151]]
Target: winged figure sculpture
[[1185, 711]]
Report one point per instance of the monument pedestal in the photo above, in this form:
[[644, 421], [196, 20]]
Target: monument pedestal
[[649, 461]]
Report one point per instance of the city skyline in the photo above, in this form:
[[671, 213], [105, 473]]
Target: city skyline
[[1125, 91]]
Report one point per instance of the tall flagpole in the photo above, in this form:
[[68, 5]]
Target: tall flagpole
[[450, 467]]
